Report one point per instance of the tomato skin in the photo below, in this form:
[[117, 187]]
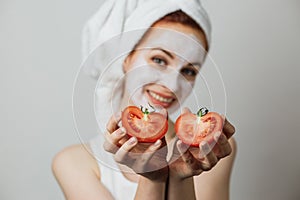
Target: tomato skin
[[150, 131], [192, 132]]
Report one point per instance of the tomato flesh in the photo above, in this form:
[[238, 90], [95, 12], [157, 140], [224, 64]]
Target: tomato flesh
[[147, 128], [192, 130]]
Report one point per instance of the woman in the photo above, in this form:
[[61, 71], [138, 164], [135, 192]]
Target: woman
[[175, 67]]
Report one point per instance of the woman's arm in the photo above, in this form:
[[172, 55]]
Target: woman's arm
[[210, 185], [185, 165], [187, 177], [146, 159], [78, 175], [215, 184], [181, 188], [148, 189]]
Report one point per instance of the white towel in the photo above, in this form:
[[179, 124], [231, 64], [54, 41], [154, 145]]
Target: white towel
[[117, 16], [103, 41]]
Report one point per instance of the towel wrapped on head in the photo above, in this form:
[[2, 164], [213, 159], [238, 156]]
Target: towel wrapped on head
[[104, 46]]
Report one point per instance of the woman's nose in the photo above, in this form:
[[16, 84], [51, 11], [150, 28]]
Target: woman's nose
[[171, 80]]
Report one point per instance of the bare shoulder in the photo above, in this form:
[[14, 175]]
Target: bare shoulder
[[75, 158], [77, 173]]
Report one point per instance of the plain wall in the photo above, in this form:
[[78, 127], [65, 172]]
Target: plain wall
[[255, 44]]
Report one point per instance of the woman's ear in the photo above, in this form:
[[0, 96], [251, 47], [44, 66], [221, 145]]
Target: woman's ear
[[126, 63]]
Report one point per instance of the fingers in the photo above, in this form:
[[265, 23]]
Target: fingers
[[207, 156], [112, 140], [205, 161], [114, 134], [222, 145], [186, 110], [228, 128], [186, 155], [148, 154], [121, 156], [112, 124], [137, 161], [164, 112], [141, 165]]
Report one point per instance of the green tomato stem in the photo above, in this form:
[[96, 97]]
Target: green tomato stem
[[202, 111], [145, 112]]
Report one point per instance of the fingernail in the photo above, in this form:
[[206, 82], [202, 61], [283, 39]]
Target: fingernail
[[132, 140], [179, 142], [180, 145], [217, 136], [184, 110], [121, 131], [157, 143]]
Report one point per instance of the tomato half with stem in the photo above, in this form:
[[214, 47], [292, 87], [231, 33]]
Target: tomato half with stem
[[144, 125], [192, 129]]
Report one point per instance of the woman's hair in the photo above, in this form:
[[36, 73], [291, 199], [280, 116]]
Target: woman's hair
[[176, 17], [180, 17]]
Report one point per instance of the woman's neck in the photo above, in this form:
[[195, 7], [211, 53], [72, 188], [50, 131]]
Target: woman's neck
[[171, 131]]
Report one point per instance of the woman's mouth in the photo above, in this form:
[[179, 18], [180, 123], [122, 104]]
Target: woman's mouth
[[160, 99]]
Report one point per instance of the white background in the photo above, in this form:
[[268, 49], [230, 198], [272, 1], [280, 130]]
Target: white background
[[255, 44]]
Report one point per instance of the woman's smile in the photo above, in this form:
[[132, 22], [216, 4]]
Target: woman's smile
[[159, 98]]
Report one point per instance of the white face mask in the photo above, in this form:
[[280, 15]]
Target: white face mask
[[183, 49]]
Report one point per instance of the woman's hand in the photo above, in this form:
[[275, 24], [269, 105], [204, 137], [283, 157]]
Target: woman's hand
[[146, 159], [189, 161], [222, 148]]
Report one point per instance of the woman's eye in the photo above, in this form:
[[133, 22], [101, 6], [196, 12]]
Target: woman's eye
[[189, 72], [159, 61]]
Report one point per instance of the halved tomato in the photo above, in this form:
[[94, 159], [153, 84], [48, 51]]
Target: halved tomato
[[192, 129], [145, 126]]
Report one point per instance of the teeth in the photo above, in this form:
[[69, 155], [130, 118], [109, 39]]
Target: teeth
[[160, 98]]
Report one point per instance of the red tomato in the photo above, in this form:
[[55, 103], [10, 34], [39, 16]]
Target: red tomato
[[145, 127], [192, 129]]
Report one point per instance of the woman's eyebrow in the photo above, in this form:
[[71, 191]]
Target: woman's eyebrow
[[196, 65], [165, 51]]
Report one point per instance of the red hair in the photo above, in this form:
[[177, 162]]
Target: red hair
[[177, 17], [184, 19]]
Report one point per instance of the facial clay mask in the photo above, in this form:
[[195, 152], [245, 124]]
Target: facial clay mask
[[185, 45], [178, 50]]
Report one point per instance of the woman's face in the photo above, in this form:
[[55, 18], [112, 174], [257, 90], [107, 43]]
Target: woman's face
[[163, 68]]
